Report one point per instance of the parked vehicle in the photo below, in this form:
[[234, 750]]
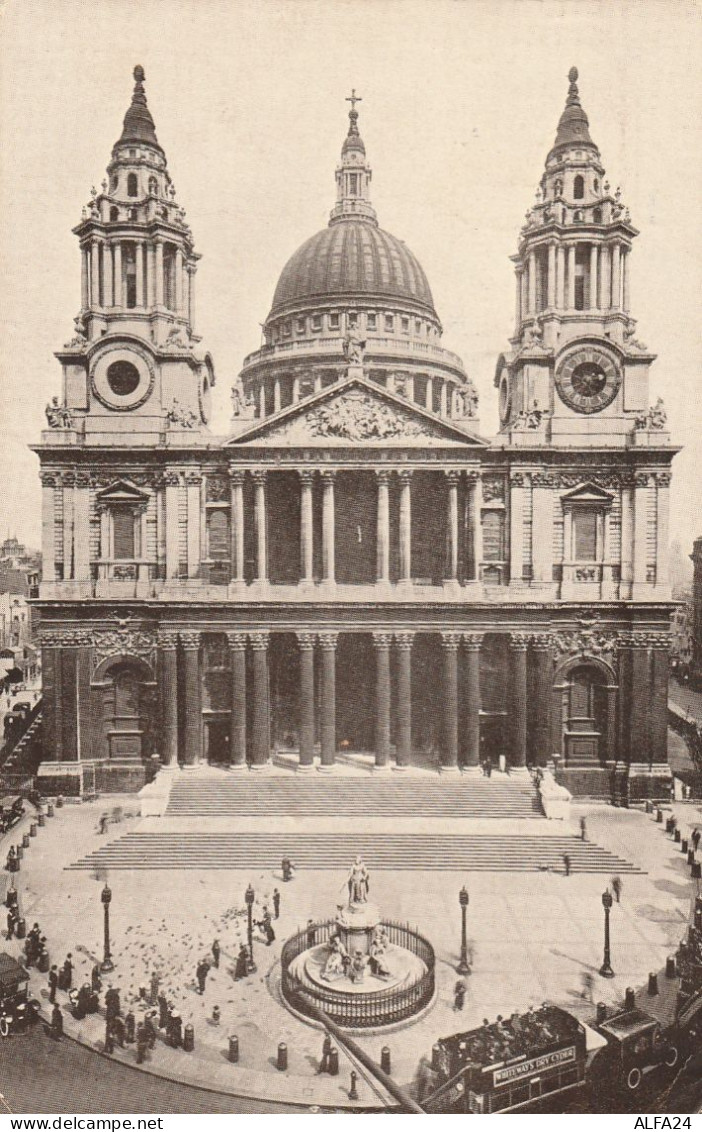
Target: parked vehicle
[[17, 1009]]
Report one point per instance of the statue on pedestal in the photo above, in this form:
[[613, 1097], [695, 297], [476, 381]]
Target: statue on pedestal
[[358, 882], [353, 350]]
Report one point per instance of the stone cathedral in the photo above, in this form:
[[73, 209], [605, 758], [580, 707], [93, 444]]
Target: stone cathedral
[[355, 573]]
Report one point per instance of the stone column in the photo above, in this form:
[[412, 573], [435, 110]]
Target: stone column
[[193, 703], [306, 526], [659, 698], [571, 277], [472, 643], [605, 277], [179, 280], [477, 524], [193, 481], [523, 293], [404, 641], [452, 520], [593, 277], [517, 718], [237, 722], [640, 702], [405, 526], [259, 478], [611, 752], [150, 275], [381, 642], [295, 388], [68, 501], [236, 481], [327, 643], [84, 278], [48, 488], [560, 277], [94, 274], [168, 651], [641, 491], [328, 522], [383, 530], [551, 300], [107, 275], [159, 274], [119, 278], [626, 282], [449, 746], [616, 278], [139, 268], [443, 399], [191, 295], [542, 526], [662, 527], [172, 480], [532, 282], [429, 395], [261, 723], [543, 694], [305, 643], [276, 394], [516, 527], [81, 528]]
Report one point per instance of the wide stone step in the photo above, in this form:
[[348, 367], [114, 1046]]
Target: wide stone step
[[455, 852]]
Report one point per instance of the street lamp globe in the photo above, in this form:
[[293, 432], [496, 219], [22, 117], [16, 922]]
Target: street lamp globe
[[607, 899], [463, 897]]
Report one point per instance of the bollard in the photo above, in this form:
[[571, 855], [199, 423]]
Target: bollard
[[676, 835], [385, 1060], [188, 1039], [668, 825], [353, 1091], [333, 1062], [43, 962], [683, 845], [49, 810], [649, 806], [25, 841], [659, 816], [21, 928], [629, 998], [696, 871], [129, 1027], [19, 852], [690, 856], [233, 1048], [282, 1060], [109, 1042], [59, 801], [435, 1055], [32, 829], [652, 983], [601, 1013], [41, 819], [670, 967]]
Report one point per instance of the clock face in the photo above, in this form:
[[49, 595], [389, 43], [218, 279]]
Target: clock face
[[588, 380]]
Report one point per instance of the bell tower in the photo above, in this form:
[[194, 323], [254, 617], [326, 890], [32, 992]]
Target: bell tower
[[134, 364], [576, 374]]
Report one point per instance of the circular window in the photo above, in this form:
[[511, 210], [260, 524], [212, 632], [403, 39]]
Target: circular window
[[122, 378]]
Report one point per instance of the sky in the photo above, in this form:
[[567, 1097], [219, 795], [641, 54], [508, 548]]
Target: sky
[[460, 106]]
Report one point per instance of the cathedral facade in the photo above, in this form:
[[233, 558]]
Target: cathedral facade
[[355, 573]]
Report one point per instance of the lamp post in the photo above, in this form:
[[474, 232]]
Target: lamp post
[[606, 968], [249, 897], [106, 897], [463, 968]]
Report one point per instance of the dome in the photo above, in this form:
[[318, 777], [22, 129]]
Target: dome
[[353, 260]]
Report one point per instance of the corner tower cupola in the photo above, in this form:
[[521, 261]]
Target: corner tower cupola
[[139, 262], [353, 175]]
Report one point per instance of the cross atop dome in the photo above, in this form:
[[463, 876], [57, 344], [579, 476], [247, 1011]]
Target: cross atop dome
[[354, 174]]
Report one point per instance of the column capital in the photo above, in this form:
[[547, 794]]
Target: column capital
[[236, 476], [167, 640], [542, 642], [306, 641], [451, 641], [404, 641], [382, 475], [473, 641], [190, 641], [49, 479], [405, 476], [236, 642], [327, 641], [259, 477], [306, 476], [453, 475], [259, 641], [518, 642], [328, 475], [382, 640]]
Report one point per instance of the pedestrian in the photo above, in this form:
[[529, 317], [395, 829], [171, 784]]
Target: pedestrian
[[95, 980], [162, 1011], [326, 1052], [68, 972], [287, 868], [150, 1029], [488, 766], [216, 1015], [216, 951], [56, 1022], [117, 1029], [176, 1034], [266, 926], [104, 820], [695, 838], [201, 973], [311, 934], [141, 1043], [588, 985], [459, 995], [53, 983], [242, 963], [566, 864], [112, 1003], [583, 829], [617, 888], [10, 924], [276, 903], [153, 987]]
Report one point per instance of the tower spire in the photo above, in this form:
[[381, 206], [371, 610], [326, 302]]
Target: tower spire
[[353, 175], [573, 125], [138, 124]]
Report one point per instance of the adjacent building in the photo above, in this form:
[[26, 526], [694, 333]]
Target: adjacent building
[[356, 567]]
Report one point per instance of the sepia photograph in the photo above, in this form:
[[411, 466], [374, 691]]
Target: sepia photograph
[[350, 559]]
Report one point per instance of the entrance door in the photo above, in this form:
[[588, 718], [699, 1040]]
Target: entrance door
[[217, 738], [583, 716]]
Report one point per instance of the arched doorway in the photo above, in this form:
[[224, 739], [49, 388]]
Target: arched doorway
[[585, 707], [125, 686]]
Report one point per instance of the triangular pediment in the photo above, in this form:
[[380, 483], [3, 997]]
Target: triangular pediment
[[355, 412], [122, 491], [587, 493]]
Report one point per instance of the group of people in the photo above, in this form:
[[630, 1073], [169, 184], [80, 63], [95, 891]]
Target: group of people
[[504, 1038], [340, 963], [36, 953]]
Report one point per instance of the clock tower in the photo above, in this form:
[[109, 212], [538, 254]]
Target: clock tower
[[576, 375]]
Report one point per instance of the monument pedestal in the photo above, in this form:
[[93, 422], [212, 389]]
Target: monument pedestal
[[356, 924]]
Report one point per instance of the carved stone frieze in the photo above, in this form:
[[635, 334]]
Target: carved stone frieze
[[65, 638], [127, 641], [590, 640], [493, 488], [544, 479]]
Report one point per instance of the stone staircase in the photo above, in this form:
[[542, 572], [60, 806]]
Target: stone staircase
[[397, 851], [360, 796]]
